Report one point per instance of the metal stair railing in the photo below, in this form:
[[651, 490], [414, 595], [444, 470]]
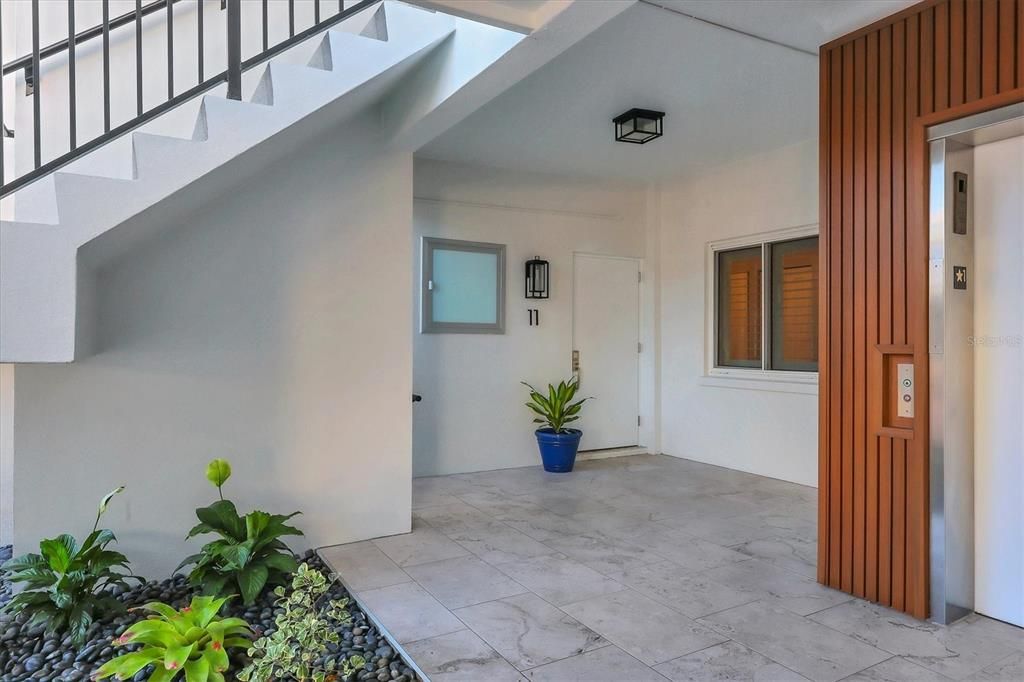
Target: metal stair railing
[[30, 65]]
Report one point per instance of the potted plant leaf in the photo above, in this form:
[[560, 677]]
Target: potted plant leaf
[[558, 444]]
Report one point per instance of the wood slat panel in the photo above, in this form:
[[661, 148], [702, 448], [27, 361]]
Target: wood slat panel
[[846, 566], [972, 48], [1008, 51], [956, 54], [938, 60], [872, 369], [941, 45], [859, 309], [834, 295], [989, 47]]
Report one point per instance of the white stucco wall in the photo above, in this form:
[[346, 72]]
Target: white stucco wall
[[472, 416], [765, 431], [272, 327]]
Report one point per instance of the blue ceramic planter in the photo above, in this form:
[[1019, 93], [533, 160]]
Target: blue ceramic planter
[[558, 450]]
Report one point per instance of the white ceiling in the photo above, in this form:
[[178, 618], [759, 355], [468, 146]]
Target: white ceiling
[[727, 95], [805, 24]]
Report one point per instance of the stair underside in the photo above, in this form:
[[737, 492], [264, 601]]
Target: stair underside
[[40, 263]]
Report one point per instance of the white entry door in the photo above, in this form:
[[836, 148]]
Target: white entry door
[[606, 337], [998, 392]]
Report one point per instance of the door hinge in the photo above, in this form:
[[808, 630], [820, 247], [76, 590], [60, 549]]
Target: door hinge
[[639, 347], [639, 276], [638, 420]]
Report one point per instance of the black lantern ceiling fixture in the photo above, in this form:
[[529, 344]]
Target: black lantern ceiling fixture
[[638, 126], [537, 278]]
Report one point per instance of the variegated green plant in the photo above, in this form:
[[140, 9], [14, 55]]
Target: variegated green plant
[[248, 555], [192, 641], [556, 409], [303, 630], [67, 585]]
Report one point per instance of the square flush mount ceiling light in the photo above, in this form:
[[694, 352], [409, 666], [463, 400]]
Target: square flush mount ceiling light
[[638, 126]]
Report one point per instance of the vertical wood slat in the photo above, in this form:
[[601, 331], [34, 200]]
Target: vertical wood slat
[[824, 190], [885, 194], [1008, 50], [940, 42], [989, 47], [972, 48], [871, 358], [926, 62], [956, 53], [846, 566], [859, 311], [835, 326]]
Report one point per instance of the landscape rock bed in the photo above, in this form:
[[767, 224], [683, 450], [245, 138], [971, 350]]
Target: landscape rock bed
[[29, 654]]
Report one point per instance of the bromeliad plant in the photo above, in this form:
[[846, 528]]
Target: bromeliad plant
[[67, 585], [304, 629], [557, 408], [249, 554], [193, 640]]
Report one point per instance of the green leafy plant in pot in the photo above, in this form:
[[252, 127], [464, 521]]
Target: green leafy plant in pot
[[558, 444]]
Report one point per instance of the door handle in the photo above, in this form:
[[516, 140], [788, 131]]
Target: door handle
[[576, 366]]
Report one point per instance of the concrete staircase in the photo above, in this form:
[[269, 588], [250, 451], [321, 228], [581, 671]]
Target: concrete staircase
[[40, 301]]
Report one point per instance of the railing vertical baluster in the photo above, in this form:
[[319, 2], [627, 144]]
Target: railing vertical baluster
[[316, 11], [234, 49], [341, 6], [291, 18], [37, 82], [199, 33], [170, 49], [138, 56], [266, 32], [106, 66], [72, 103]]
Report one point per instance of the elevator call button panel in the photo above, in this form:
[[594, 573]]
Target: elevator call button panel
[[905, 390]]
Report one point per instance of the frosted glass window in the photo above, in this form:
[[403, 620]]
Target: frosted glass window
[[463, 287]]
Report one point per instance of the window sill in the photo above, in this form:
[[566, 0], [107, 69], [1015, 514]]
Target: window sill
[[805, 383]]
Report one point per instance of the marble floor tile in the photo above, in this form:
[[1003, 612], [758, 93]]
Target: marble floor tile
[[1009, 669], [799, 556], [528, 632], [409, 613], [463, 581], [957, 651], [723, 532], [642, 627], [602, 553], [498, 543], [454, 517], [774, 524], [761, 580], [461, 657], [566, 502], [607, 664], [541, 524], [693, 554], [797, 643], [691, 594], [363, 566], [559, 579], [724, 662], [499, 504], [896, 669], [422, 545]]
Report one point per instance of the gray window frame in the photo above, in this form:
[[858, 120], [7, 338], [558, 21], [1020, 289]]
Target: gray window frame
[[427, 323]]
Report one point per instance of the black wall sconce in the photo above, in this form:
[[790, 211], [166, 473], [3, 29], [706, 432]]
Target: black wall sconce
[[537, 283], [638, 126]]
